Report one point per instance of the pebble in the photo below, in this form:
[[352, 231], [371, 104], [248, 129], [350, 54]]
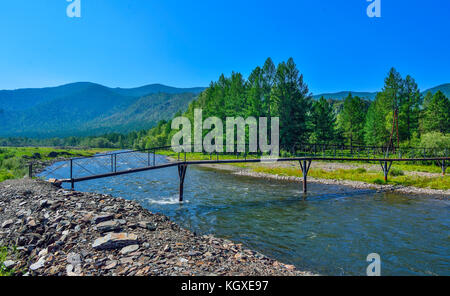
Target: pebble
[[129, 249]]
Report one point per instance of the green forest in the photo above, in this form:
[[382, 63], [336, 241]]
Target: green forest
[[280, 91]]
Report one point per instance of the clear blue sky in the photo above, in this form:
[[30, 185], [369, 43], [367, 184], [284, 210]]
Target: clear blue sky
[[130, 43]]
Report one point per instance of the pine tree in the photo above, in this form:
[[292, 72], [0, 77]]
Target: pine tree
[[323, 121], [436, 115], [292, 104], [409, 109], [353, 118]]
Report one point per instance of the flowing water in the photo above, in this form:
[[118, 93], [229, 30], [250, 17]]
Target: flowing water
[[331, 232]]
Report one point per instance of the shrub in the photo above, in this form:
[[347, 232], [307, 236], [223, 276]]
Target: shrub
[[361, 170], [378, 181], [435, 140], [396, 172]]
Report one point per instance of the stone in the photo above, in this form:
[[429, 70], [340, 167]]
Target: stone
[[74, 259], [289, 267], [127, 260], [7, 223], [9, 263], [39, 264], [32, 223], [110, 265], [108, 226], [43, 252], [115, 241], [129, 249], [183, 260], [102, 218], [147, 225]]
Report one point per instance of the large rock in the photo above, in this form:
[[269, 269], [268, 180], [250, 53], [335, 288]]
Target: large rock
[[102, 218], [108, 226], [115, 241]]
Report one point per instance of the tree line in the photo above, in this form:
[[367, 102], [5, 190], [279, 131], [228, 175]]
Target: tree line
[[280, 91]]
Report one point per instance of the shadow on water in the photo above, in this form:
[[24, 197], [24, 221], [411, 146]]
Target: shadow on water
[[331, 231]]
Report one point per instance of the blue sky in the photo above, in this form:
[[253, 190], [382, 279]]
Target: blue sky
[[130, 43]]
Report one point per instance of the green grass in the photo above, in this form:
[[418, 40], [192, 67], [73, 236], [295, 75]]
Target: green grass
[[4, 254], [438, 182], [13, 165]]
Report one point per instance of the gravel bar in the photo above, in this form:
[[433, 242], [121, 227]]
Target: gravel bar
[[64, 233]]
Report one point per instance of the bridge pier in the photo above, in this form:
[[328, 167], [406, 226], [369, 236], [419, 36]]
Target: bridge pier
[[182, 173], [305, 166], [72, 183], [386, 168], [30, 170], [444, 167]]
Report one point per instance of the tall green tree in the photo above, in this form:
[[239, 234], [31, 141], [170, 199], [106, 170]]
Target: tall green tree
[[323, 121], [379, 119], [436, 114], [352, 119], [409, 109], [255, 93], [268, 81], [292, 104]]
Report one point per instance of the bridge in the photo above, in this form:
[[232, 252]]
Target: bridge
[[134, 161]]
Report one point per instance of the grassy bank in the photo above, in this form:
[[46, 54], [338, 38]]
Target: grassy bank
[[14, 161], [400, 173], [397, 177]]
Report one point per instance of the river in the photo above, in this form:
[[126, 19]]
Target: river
[[331, 232]]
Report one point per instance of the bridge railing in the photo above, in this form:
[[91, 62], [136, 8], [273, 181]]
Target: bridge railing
[[117, 161]]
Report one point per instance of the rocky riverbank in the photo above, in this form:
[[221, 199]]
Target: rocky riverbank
[[57, 232]]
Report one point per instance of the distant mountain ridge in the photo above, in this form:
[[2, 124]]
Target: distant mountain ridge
[[445, 88], [86, 108]]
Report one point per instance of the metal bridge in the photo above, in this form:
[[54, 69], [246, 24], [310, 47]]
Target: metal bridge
[[127, 162]]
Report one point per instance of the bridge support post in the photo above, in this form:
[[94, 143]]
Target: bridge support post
[[386, 167], [30, 170], [72, 183], [182, 173], [444, 167], [305, 166]]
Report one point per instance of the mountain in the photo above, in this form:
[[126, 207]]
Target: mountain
[[343, 94], [445, 88], [86, 108]]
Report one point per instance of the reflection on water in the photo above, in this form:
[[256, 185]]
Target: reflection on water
[[331, 232]]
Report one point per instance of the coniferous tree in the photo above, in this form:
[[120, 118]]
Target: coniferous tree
[[352, 119], [323, 121], [292, 104], [268, 81], [409, 108], [436, 115]]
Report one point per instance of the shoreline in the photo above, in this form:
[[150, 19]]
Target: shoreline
[[439, 194], [70, 233]]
